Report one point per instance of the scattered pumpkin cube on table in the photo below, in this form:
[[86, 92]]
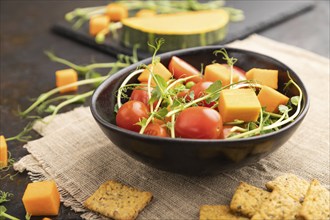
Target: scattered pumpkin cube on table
[[240, 104], [65, 77], [271, 99], [3, 152], [116, 11], [98, 23], [265, 77], [41, 198]]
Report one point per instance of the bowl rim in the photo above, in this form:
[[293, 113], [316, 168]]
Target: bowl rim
[[136, 135]]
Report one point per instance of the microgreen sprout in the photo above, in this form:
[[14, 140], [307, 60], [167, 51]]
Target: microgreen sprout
[[76, 98], [27, 216], [4, 215], [85, 69], [127, 79], [46, 105], [230, 61], [23, 136], [44, 96], [112, 28], [5, 169], [80, 15], [5, 196]]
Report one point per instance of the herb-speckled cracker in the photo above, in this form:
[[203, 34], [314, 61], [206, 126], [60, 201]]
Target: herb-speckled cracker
[[278, 206], [290, 184], [117, 201], [218, 212], [316, 204], [247, 199]]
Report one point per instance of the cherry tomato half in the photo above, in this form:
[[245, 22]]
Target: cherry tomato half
[[140, 94], [226, 131], [180, 69], [131, 113], [199, 91], [199, 123], [156, 129]]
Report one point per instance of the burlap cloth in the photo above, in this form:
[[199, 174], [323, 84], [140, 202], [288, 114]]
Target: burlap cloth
[[75, 152]]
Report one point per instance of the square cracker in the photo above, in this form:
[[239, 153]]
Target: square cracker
[[278, 206], [117, 201], [290, 184], [218, 212], [247, 199], [316, 204]]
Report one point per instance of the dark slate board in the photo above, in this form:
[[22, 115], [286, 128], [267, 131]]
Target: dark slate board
[[259, 15]]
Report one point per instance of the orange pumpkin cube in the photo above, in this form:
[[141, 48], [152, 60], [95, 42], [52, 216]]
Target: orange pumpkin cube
[[264, 76], [65, 77], [157, 69], [98, 23], [271, 99], [41, 198], [216, 71], [240, 104], [3, 152], [116, 11]]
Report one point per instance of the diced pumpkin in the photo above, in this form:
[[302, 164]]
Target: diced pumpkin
[[158, 69], [241, 104], [3, 152], [98, 23], [264, 76], [145, 13], [65, 77], [116, 11], [216, 71], [179, 30], [271, 99], [41, 198]]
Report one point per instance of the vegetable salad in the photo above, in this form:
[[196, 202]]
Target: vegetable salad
[[221, 101]]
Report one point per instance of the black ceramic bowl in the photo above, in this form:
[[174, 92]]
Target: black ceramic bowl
[[193, 156]]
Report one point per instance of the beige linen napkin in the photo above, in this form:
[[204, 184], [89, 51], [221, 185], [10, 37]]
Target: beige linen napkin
[[75, 152]]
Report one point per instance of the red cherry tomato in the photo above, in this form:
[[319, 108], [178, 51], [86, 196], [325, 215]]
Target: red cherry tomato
[[155, 129], [180, 69], [140, 93], [199, 91], [131, 113], [199, 123]]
